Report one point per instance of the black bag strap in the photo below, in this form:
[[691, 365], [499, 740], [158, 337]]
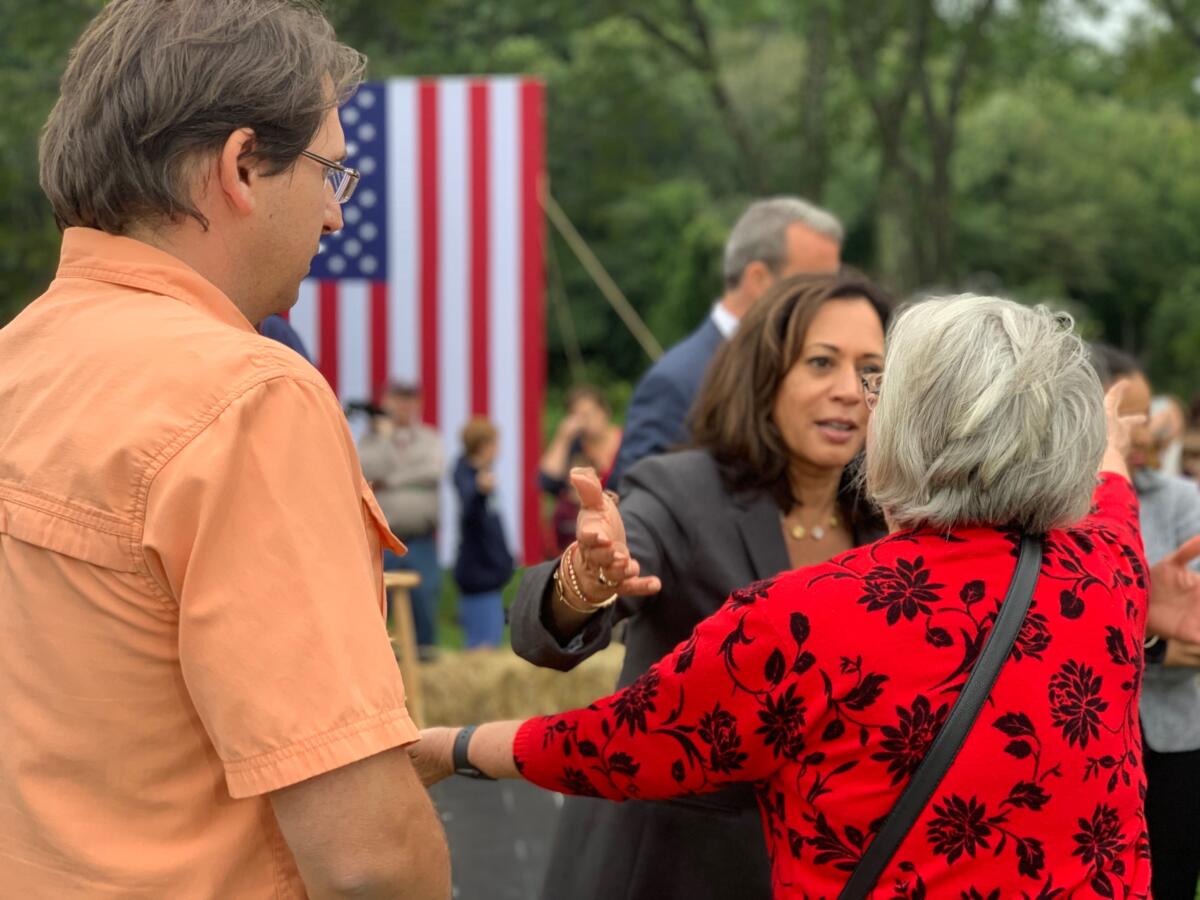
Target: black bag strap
[[950, 739]]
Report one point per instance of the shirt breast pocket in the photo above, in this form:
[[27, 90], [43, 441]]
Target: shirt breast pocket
[[379, 537]]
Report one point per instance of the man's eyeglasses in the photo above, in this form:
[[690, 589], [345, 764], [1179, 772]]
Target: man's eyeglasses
[[871, 383], [341, 178]]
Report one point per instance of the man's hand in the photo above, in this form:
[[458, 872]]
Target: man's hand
[[602, 550], [1174, 611]]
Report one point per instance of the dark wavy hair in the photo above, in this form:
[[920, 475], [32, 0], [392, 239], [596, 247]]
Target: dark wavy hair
[[152, 87], [732, 416]]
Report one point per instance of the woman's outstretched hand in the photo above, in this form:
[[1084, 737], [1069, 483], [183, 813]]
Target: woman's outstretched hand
[[603, 565]]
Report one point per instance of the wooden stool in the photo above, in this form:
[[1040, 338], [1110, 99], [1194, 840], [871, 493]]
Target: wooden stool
[[404, 638]]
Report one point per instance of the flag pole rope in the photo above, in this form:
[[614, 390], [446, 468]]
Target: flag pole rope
[[593, 266]]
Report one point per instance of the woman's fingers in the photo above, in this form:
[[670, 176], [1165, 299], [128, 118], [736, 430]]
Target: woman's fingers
[[640, 587], [589, 539], [607, 566], [597, 551], [591, 492]]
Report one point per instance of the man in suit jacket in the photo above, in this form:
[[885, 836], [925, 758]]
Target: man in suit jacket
[[774, 238]]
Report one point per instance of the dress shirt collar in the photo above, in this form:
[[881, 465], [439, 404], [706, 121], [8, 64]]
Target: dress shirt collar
[[727, 323], [98, 256]]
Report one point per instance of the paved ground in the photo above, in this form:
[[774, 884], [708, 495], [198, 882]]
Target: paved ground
[[500, 835]]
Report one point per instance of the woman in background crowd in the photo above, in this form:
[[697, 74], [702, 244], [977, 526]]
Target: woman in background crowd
[[778, 421], [1169, 516], [824, 687], [585, 437], [484, 562]]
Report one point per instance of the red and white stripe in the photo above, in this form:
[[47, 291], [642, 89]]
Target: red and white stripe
[[462, 311]]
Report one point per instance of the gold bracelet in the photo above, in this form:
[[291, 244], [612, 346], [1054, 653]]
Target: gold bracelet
[[561, 593], [573, 581]]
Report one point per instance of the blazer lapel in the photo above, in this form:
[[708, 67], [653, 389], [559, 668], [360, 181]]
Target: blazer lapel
[[758, 523]]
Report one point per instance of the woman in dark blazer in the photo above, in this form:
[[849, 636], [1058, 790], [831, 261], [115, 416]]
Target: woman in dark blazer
[[779, 419]]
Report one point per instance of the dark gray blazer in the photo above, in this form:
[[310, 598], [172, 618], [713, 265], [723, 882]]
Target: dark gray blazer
[[703, 542]]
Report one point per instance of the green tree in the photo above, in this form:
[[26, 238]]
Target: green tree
[[34, 42]]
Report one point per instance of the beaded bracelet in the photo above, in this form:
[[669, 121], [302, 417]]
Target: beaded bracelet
[[573, 581], [561, 593]]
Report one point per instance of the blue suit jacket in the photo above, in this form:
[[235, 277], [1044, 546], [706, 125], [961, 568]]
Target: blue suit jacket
[[662, 399], [278, 329]]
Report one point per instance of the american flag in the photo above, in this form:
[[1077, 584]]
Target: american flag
[[437, 277]]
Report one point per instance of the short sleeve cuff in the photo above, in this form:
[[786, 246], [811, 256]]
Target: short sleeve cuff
[[320, 754]]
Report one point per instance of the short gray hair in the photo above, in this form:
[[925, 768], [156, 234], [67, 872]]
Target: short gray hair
[[990, 414], [151, 87], [760, 235]]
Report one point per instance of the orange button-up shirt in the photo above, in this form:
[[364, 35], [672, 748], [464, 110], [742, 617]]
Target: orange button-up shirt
[[190, 588]]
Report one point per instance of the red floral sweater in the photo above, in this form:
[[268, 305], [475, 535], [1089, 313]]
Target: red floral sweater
[[825, 686]]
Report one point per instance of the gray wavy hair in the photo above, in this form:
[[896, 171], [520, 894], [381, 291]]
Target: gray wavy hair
[[990, 414], [760, 234]]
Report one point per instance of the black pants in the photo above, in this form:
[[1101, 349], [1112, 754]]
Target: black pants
[[1173, 816]]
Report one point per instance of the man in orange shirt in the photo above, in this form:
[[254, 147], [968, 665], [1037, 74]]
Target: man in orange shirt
[[197, 695]]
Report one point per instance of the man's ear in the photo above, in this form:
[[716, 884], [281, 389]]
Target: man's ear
[[236, 171], [755, 280]]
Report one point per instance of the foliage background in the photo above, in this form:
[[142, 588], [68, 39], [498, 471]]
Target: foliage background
[[967, 144]]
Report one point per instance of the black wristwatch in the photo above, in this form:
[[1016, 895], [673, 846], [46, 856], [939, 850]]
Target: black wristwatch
[[462, 765]]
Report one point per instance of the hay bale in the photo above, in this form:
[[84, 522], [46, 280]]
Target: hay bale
[[483, 685]]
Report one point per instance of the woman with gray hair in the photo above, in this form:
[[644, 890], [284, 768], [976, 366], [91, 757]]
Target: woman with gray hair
[[827, 686]]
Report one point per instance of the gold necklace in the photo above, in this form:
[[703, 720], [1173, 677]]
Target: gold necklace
[[817, 532]]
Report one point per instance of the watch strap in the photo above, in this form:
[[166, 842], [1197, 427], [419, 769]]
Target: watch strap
[[462, 765]]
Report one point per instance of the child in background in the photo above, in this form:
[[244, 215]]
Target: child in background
[[484, 562]]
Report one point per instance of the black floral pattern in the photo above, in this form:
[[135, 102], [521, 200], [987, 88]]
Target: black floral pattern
[[1099, 838], [1034, 637], [751, 592], [632, 704], [783, 724], [1101, 845], [1076, 702], [574, 781], [959, 826], [903, 590], [906, 743], [719, 730]]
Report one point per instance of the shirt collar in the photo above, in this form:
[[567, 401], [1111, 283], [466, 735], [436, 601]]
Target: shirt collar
[[727, 323], [98, 256]]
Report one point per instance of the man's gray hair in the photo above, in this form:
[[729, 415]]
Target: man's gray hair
[[152, 87], [760, 235], [990, 414]]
